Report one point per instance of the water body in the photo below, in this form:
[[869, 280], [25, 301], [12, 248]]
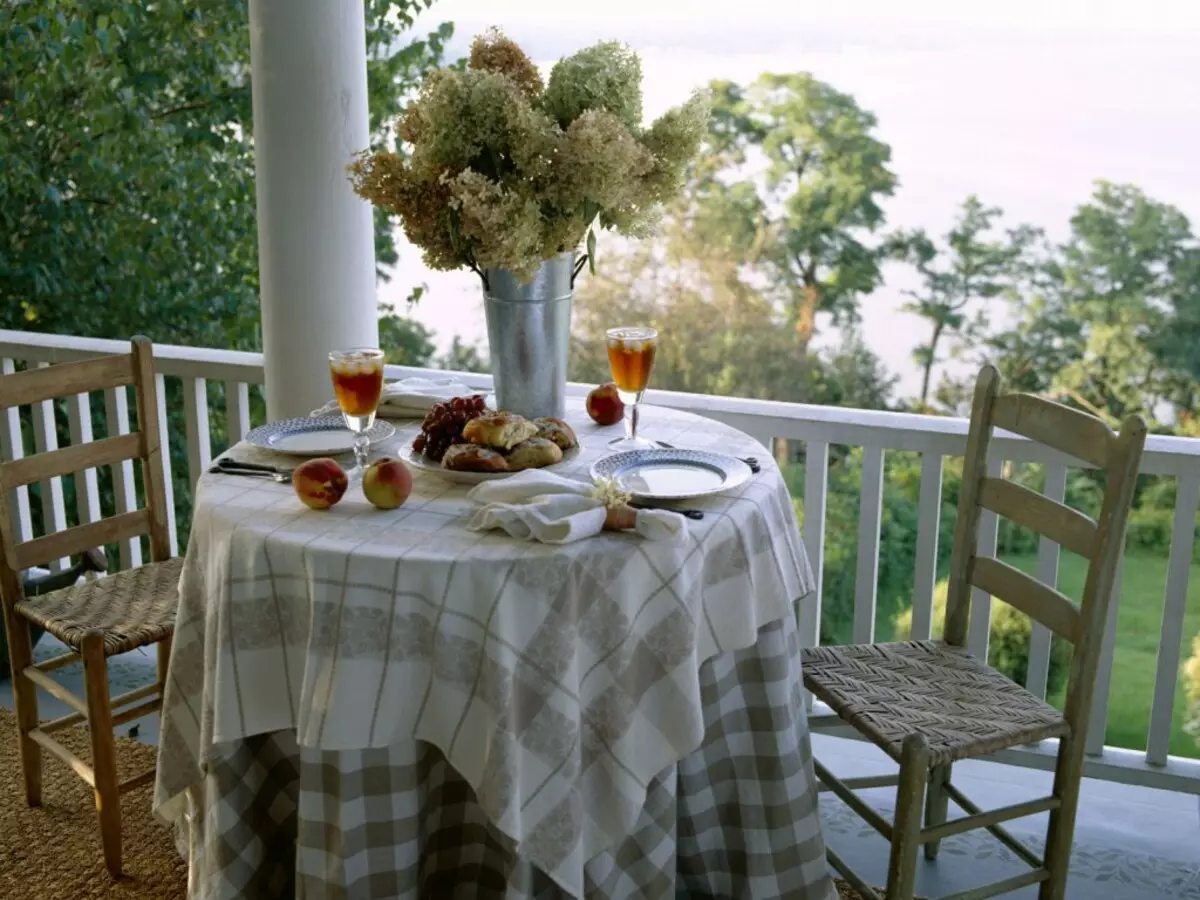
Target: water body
[[1024, 104]]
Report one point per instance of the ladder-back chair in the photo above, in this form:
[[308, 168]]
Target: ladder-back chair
[[99, 618], [928, 704]]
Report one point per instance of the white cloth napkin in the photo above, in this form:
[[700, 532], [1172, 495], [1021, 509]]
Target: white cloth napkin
[[542, 506], [411, 398]]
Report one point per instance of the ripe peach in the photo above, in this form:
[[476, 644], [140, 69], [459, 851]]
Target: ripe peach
[[319, 483], [387, 483], [604, 405]]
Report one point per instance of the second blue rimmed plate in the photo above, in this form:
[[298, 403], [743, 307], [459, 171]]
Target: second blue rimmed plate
[[672, 474]]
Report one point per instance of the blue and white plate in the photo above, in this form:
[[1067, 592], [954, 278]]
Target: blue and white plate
[[314, 435], [672, 474]]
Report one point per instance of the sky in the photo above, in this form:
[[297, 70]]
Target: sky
[[1023, 103]]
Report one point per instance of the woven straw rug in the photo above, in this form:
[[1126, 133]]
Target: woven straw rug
[[54, 851]]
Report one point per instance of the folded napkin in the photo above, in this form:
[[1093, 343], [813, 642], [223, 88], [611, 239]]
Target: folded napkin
[[411, 398], [542, 506]]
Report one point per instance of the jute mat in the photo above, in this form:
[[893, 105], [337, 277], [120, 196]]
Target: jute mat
[[53, 852]]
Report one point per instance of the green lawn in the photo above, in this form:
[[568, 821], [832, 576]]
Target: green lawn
[[1139, 621]]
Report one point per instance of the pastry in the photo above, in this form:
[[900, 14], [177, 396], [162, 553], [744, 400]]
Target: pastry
[[533, 454], [558, 431], [499, 430], [473, 458]]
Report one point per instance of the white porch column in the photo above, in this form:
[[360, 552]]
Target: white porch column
[[316, 252]]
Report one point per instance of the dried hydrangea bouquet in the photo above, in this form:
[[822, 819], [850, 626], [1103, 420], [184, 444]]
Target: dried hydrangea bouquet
[[508, 177]]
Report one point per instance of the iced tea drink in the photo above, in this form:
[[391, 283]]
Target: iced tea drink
[[631, 358], [357, 384]]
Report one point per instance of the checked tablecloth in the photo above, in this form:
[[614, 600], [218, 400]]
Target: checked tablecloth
[[600, 718]]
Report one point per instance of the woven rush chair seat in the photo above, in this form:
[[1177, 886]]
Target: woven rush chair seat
[[133, 608], [961, 706]]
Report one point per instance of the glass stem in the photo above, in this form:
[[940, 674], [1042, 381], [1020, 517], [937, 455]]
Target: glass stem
[[631, 422], [361, 443]]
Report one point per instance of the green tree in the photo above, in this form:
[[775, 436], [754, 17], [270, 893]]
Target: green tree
[[974, 265], [464, 357], [405, 341], [127, 167], [804, 223]]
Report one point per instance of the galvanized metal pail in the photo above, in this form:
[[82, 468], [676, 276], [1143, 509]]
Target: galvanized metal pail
[[529, 335]]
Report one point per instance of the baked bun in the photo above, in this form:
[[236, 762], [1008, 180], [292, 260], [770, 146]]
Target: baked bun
[[558, 431], [533, 454], [499, 430], [473, 458]]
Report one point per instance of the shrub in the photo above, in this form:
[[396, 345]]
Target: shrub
[[1008, 649]]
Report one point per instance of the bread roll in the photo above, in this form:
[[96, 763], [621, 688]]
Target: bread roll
[[558, 431], [533, 454], [499, 430], [473, 458]]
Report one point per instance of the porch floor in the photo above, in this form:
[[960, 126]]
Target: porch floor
[[1131, 843]]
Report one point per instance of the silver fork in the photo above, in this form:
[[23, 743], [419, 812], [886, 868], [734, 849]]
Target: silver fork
[[750, 461]]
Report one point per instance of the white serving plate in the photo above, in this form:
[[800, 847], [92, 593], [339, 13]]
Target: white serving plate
[[420, 463], [672, 474], [314, 435]]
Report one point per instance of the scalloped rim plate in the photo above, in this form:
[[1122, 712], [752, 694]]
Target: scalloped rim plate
[[672, 474], [418, 462], [314, 435]]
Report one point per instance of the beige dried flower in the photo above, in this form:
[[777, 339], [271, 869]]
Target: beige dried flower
[[504, 175], [493, 52]]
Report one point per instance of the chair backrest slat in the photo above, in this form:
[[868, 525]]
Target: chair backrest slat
[[76, 458], [82, 537], [1066, 430], [68, 379], [1068, 528], [65, 379], [1101, 541], [1024, 592]]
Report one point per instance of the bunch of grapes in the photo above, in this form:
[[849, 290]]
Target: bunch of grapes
[[444, 423]]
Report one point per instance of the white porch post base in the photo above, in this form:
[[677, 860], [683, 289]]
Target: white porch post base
[[315, 238]]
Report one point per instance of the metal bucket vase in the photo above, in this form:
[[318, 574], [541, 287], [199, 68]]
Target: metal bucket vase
[[529, 335]]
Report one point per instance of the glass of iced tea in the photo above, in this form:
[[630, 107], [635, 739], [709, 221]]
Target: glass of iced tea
[[358, 383], [631, 358]]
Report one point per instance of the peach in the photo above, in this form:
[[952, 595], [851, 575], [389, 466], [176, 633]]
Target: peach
[[604, 405], [319, 483], [387, 482]]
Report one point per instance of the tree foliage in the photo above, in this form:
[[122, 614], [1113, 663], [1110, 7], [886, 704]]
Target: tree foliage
[[793, 186]]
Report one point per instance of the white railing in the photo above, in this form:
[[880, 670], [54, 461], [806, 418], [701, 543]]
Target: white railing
[[818, 427]]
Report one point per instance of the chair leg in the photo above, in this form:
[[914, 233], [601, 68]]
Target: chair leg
[[937, 803], [906, 828], [1061, 830], [20, 656], [104, 762], [163, 650]]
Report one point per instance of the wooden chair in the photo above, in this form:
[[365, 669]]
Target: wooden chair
[[928, 704], [96, 619]]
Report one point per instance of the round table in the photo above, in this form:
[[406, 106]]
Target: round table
[[385, 697]]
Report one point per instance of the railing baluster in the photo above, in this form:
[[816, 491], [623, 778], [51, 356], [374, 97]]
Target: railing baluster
[[866, 577], [816, 485], [116, 414], [980, 629], [45, 439], [237, 410], [87, 489], [195, 415], [929, 515], [1183, 537], [1037, 675], [1099, 720], [164, 440], [12, 447]]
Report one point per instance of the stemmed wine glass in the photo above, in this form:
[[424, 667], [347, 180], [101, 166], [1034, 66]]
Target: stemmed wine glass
[[631, 357], [358, 384]]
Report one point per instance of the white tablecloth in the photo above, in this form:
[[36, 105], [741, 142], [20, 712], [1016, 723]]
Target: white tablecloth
[[557, 680]]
